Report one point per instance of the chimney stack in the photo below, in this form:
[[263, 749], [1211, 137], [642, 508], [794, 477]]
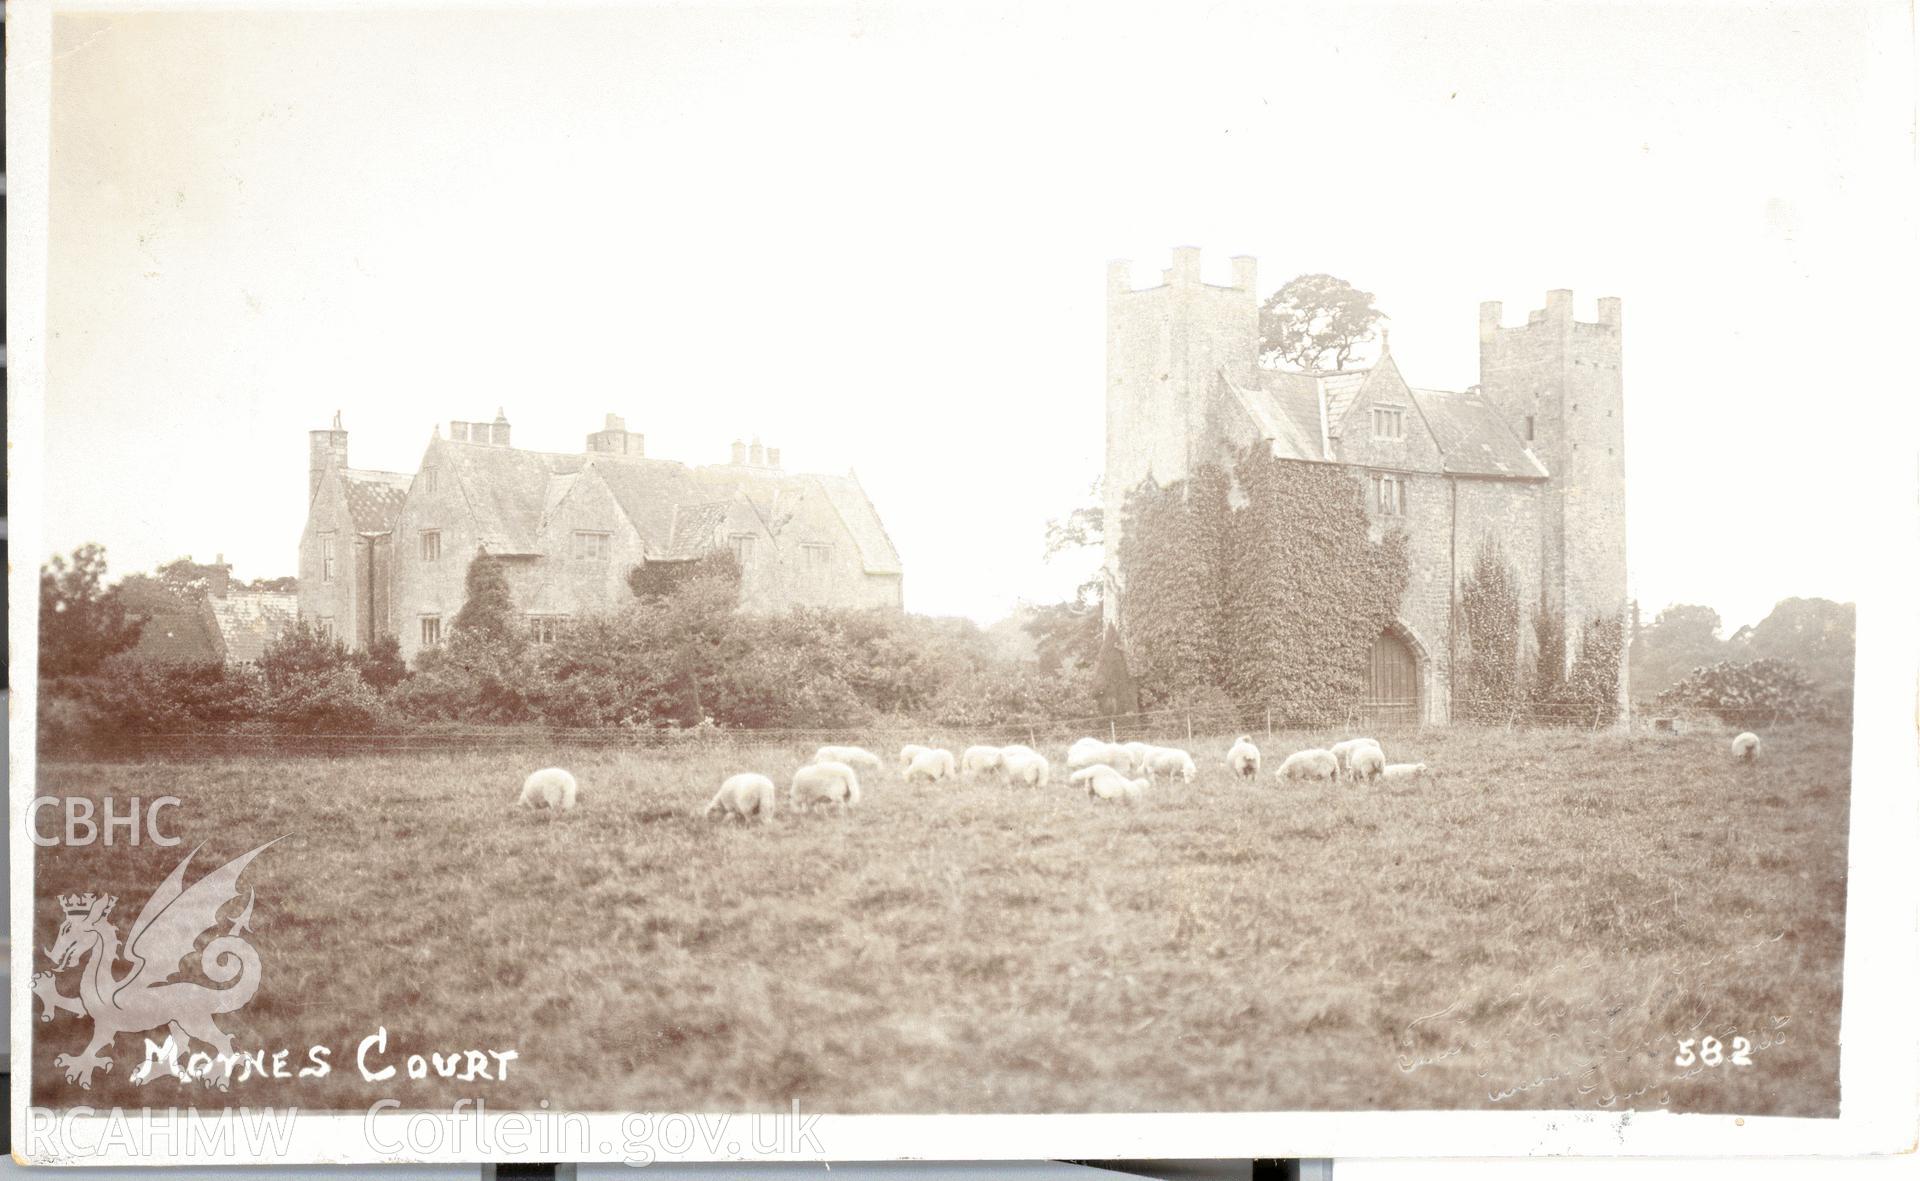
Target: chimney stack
[[773, 457], [739, 452], [222, 574], [757, 455], [616, 439], [325, 448]]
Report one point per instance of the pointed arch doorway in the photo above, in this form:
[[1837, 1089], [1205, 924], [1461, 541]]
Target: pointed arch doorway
[[1393, 681]]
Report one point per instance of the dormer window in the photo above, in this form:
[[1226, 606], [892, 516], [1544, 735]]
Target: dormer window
[[1389, 422], [1529, 428]]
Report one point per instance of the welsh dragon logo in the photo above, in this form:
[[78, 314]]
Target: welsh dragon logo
[[144, 997]]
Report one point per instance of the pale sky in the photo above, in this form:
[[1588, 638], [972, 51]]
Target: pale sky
[[877, 235]]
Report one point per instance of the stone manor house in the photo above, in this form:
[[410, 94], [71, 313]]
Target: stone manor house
[[1533, 457], [386, 553]]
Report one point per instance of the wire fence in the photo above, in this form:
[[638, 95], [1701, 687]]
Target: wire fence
[[1173, 726]]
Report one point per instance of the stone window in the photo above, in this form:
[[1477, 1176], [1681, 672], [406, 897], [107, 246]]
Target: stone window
[[545, 629], [818, 558], [429, 478], [1389, 495], [1389, 422], [742, 546], [592, 547], [325, 625], [429, 545], [326, 557], [1529, 428], [429, 630]]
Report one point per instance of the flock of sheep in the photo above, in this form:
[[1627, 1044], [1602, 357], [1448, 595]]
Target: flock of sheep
[[1121, 771], [1116, 771]]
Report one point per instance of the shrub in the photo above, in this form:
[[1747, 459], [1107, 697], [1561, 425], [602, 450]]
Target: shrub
[[1747, 692], [1490, 635]]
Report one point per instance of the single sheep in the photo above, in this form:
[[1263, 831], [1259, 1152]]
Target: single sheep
[[746, 795], [550, 787], [1746, 747], [1019, 749], [1115, 786], [1171, 762], [976, 761], [1088, 751], [931, 765], [908, 753], [1366, 762], [1398, 772], [1310, 764], [1026, 770], [1137, 754], [1343, 751], [1080, 777], [852, 756], [823, 783], [1244, 757]]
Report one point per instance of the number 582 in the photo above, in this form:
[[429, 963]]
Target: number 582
[[1712, 1053]]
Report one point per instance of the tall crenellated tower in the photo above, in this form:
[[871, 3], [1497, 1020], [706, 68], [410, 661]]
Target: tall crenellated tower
[[1557, 381], [1164, 346]]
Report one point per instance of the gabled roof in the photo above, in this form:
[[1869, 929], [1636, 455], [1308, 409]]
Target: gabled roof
[[1297, 411], [694, 526], [856, 511], [649, 491], [373, 498], [1286, 409], [1473, 438], [1339, 390], [176, 630], [250, 620], [507, 490]]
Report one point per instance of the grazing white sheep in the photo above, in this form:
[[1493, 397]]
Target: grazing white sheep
[[1399, 772], [745, 795], [908, 753], [1343, 751], [1115, 786], [1138, 753], [931, 765], [1026, 770], [1366, 762], [1171, 762], [823, 783], [851, 756], [1746, 747], [1019, 749], [549, 787], [1244, 757], [980, 760], [1088, 751], [1080, 777], [1309, 764]]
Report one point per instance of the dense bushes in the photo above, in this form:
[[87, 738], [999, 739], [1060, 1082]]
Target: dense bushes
[[681, 658], [1751, 692], [1490, 639]]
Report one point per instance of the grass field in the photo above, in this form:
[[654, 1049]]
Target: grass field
[[1534, 926]]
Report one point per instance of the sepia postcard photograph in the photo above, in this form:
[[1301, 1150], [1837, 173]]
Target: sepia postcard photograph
[[664, 581]]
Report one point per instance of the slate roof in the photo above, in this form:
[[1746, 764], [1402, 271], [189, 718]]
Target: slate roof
[[1473, 439], [507, 489], [176, 630], [250, 620], [694, 526], [374, 498], [649, 491], [1286, 409], [856, 510]]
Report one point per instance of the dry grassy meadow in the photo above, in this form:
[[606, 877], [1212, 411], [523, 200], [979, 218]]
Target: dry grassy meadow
[[1535, 926]]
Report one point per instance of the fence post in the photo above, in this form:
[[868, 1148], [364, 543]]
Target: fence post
[[1113, 732], [1269, 721], [1031, 740], [1189, 728]]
